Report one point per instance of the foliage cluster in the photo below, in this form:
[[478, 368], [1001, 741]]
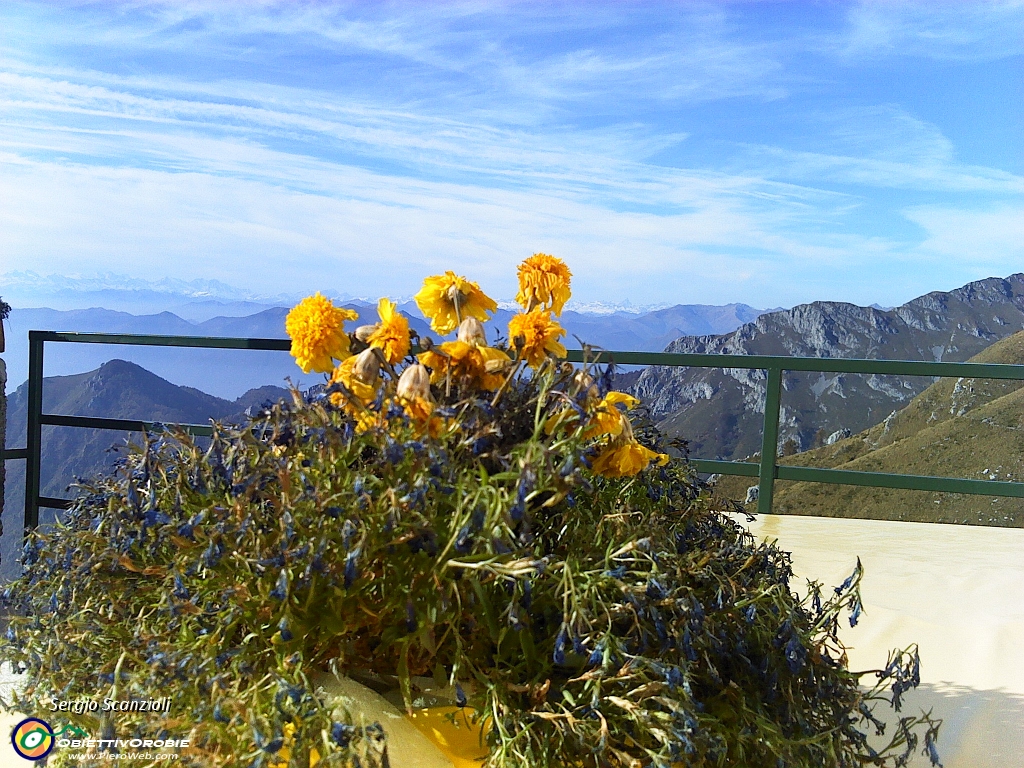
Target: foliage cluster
[[502, 530]]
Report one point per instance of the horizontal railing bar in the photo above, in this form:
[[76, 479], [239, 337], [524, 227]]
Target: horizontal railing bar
[[712, 466], [54, 503], [867, 479], [13, 453], [814, 364], [903, 482], [152, 340], [125, 425]]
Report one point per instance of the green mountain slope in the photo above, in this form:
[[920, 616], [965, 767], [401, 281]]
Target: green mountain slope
[[972, 428]]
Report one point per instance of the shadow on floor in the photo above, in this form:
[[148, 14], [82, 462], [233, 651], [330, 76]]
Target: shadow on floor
[[980, 728]]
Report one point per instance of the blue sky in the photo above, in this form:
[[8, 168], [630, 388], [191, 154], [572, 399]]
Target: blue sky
[[769, 153]]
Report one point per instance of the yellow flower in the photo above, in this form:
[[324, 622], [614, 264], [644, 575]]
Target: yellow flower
[[315, 328], [420, 411], [565, 418], [352, 373], [569, 416], [447, 299], [607, 419], [543, 282], [625, 458], [391, 335], [535, 334], [477, 366], [367, 420], [413, 394], [283, 756]]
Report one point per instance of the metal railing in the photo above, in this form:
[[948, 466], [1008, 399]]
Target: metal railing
[[767, 470]]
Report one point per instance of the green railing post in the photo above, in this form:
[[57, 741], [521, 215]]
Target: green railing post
[[33, 440], [769, 441]]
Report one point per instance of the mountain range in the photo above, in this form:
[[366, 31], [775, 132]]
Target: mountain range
[[229, 373], [117, 389], [719, 411], [129, 294]]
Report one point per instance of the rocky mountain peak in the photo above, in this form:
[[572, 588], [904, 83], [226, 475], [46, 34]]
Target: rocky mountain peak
[[719, 410]]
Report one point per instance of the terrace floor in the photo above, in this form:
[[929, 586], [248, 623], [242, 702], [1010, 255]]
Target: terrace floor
[[955, 590]]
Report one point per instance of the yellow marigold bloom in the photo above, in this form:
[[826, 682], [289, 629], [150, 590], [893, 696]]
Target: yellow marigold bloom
[[346, 375], [496, 362], [318, 338], [447, 299], [391, 335], [479, 366], [420, 411], [565, 418], [539, 335], [625, 458], [367, 420], [607, 419], [543, 282]]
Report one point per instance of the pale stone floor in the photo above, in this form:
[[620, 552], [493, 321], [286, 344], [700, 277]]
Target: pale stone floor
[[957, 591]]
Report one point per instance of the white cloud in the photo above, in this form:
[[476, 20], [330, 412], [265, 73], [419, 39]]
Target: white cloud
[[883, 174], [380, 233], [522, 62], [992, 238], [973, 31], [880, 146], [216, 135]]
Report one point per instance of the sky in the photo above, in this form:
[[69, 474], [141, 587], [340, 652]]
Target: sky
[[770, 153]]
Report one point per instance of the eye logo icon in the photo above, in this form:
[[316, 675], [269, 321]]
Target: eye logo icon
[[32, 738]]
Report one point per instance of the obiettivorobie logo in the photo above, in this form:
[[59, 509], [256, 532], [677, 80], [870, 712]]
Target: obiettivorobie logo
[[33, 738]]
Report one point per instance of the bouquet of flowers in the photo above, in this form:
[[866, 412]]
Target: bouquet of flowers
[[482, 515]]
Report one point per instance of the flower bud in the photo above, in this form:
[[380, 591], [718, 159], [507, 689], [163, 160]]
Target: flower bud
[[367, 366], [584, 381], [496, 366], [414, 382], [363, 332], [456, 296], [471, 331]]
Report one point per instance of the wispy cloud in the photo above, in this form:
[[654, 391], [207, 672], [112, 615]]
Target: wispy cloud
[[979, 237], [964, 31]]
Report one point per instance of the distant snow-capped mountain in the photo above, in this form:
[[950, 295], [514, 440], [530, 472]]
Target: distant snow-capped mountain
[[228, 373], [200, 300], [136, 295]]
